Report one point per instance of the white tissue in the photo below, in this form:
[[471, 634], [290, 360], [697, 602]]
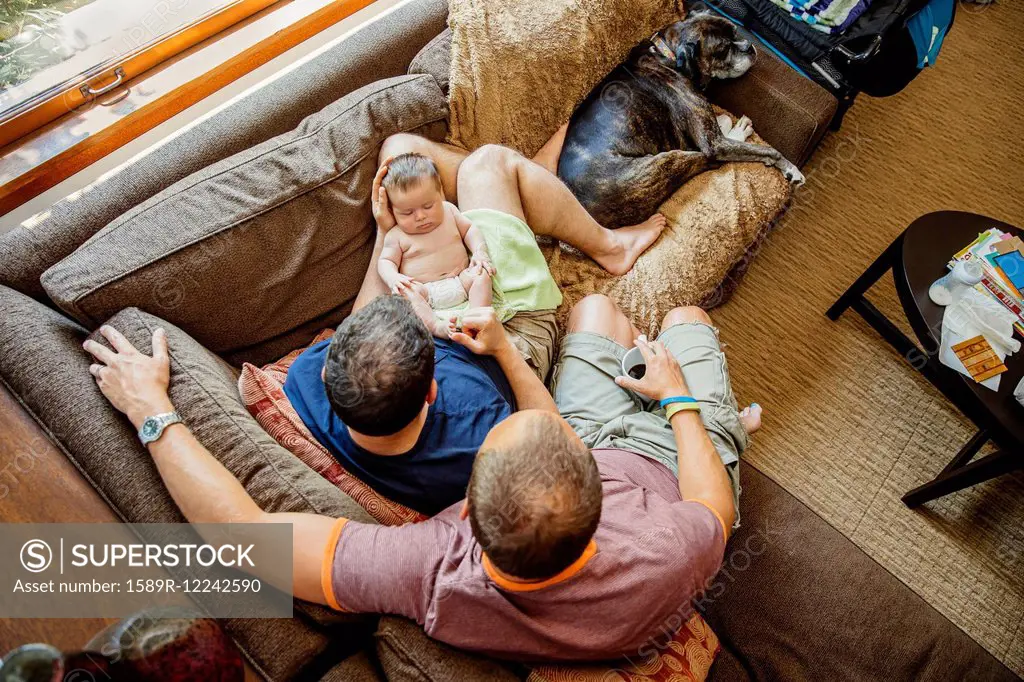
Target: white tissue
[[976, 314]]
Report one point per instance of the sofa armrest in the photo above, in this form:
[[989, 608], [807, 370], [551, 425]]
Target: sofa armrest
[[43, 364], [789, 111]]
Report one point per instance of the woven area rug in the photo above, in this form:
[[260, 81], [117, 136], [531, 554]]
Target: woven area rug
[[850, 426]]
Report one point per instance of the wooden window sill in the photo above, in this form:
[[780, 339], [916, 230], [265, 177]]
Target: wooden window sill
[[55, 152]]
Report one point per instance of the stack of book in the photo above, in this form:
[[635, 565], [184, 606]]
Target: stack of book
[[1001, 257]]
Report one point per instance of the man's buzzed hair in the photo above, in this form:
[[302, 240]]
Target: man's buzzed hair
[[379, 367], [534, 506]]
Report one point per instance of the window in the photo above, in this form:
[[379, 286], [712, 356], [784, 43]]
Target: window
[[56, 55]]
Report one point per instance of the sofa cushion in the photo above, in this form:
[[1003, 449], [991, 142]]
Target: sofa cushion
[[254, 254], [380, 49], [792, 113], [262, 392], [359, 667], [407, 654], [435, 59], [520, 67]]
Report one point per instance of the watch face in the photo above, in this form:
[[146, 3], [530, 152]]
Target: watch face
[[149, 428]]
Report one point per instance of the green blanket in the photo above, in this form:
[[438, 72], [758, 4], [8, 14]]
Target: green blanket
[[522, 281]]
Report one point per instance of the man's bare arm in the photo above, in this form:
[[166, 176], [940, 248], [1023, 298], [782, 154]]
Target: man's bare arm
[[204, 490], [702, 475], [483, 334]]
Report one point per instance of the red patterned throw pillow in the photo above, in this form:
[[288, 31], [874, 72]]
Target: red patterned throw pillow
[[687, 657]]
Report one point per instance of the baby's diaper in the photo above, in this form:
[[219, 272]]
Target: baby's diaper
[[446, 293]]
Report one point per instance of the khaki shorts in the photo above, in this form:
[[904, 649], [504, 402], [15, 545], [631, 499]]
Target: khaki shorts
[[533, 334], [607, 416]]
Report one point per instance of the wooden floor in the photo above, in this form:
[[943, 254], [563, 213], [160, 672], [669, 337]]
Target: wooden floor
[[39, 485]]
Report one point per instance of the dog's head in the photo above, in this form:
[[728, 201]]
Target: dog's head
[[703, 46]]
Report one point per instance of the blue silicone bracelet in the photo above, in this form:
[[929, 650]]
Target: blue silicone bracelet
[[677, 399]]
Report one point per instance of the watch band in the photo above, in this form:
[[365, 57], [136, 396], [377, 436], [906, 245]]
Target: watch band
[[153, 427]]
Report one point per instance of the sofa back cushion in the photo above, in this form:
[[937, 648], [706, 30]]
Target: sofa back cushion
[[435, 59], [382, 48], [257, 252]]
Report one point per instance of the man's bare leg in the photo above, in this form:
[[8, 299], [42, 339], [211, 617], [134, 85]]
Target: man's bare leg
[[750, 417], [499, 178], [446, 157], [598, 314], [552, 150]]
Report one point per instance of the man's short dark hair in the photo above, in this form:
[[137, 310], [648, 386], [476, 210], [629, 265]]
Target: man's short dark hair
[[379, 367], [534, 506]]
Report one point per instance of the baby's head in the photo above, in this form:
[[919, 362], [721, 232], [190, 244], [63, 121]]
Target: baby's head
[[414, 189]]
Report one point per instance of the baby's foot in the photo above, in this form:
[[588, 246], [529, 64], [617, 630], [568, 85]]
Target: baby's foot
[[629, 243], [750, 417]]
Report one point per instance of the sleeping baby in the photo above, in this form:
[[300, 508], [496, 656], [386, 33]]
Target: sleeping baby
[[435, 253]]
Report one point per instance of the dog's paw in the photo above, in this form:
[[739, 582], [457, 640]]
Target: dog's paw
[[724, 123], [742, 131], [791, 172]]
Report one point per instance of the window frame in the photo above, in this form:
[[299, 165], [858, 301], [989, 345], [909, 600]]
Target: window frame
[[41, 109]]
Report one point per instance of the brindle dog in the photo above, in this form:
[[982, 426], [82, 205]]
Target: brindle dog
[[647, 128]]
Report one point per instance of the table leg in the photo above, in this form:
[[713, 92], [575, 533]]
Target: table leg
[[967, 452], [874, 273], [952, 480]]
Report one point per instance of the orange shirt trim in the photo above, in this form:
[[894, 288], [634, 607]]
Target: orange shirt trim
[[725, 531], [326, 583], [522, 586]]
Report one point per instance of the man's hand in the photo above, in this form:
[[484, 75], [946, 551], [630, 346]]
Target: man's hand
[[481, 332], [134, 383], [663, 379], [379, 200]]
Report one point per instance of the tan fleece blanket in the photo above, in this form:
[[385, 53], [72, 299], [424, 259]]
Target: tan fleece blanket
[[520, 67]]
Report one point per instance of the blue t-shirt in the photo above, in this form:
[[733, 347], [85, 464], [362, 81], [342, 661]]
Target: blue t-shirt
[[472, 396]]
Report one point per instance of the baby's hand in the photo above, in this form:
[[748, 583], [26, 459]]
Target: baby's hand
[[482, 261], [400, 284]]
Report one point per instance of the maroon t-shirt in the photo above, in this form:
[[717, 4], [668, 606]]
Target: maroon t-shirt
[[651, 555]]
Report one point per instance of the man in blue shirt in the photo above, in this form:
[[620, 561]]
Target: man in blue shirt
[[402, 411]]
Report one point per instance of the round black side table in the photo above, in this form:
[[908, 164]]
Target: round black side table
[[917, 258]]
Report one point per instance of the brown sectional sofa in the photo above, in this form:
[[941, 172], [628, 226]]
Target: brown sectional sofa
[[796, 600]]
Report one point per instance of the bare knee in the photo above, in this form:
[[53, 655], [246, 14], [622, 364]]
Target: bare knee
[[493, 157], [598, 314], [685, 315], [403, 143]]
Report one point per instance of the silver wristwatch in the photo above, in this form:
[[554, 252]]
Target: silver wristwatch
[[154, 426]]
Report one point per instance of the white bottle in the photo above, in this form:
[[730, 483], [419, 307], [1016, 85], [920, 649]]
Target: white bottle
[[947, 289]]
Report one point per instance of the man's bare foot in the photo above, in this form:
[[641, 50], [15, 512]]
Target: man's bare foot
[[629, 243], [750, 417]]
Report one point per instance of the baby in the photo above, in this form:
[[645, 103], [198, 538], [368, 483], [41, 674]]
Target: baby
[[436, 253]]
